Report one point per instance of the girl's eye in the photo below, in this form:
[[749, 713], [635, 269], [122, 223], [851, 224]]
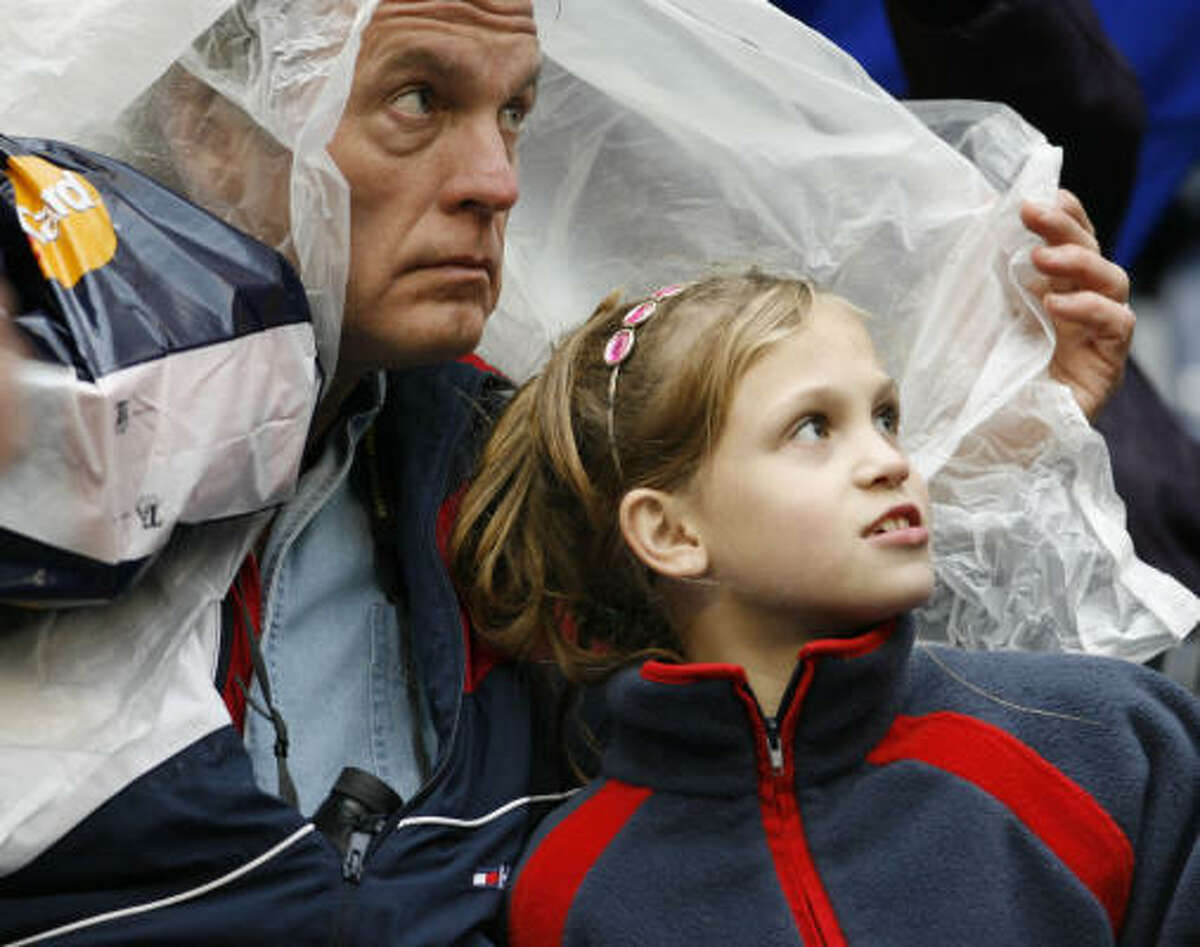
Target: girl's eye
[[887, 420], [415, 102], [813, 428]]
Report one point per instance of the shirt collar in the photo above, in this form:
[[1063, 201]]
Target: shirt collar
[[696, 728]]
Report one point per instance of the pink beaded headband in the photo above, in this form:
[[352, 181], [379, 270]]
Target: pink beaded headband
[[620, 346]]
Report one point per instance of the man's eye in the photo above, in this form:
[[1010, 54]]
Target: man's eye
[[416, 102], [811, 429], [513, 116], [887, 420]]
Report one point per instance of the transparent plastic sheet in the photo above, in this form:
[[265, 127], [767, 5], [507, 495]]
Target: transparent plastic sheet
[[111, 75], [141, 81], [669, 136], [287, 67], [674, 135], [71, 67], [92, 697]]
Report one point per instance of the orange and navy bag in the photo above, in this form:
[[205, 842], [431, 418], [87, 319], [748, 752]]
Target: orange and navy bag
[[171, 378]]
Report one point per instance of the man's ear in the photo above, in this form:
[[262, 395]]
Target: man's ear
[[225, 162], [656, 528], [203, 137]]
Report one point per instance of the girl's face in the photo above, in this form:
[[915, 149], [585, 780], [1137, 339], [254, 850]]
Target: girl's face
[[809, 513]]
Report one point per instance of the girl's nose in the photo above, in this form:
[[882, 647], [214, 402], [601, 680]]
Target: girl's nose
[[883, 464]]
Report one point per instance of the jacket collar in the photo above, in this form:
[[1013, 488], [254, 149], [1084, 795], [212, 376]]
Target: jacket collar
[[427, 447], [696, 728]]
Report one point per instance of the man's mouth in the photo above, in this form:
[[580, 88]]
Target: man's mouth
[[466, 264]]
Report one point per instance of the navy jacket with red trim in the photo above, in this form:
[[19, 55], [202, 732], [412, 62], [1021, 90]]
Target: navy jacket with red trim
[[926, 796]]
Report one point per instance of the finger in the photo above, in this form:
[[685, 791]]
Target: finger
[[1068, 202], [1057, 226], [1086, 269], [1039, 285], [1103, 317]]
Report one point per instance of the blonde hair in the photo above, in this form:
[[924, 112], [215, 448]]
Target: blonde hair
[[537, 549]]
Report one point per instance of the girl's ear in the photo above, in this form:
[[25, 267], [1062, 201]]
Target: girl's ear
[[656, 528]]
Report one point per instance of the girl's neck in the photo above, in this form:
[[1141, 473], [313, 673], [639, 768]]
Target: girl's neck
[[766, 650]]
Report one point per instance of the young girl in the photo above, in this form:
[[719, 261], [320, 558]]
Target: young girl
[[705, 492]]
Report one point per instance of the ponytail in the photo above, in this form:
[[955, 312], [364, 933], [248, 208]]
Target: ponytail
[[536, 550]]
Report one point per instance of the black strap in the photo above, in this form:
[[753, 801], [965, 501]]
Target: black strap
[[287, 788]]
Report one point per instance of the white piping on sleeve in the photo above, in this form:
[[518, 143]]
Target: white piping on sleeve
[[271, 853], [173, 899], [483, 819]]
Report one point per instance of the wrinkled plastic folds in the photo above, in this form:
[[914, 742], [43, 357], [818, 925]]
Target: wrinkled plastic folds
[[671, 136], [99, 75]]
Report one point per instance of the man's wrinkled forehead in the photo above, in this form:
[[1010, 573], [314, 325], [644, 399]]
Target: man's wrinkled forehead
[[507, 16]]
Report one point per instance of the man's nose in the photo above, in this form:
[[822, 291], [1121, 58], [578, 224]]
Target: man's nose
[[484, 173]]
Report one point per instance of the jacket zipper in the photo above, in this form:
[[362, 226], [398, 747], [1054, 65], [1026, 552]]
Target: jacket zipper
[[360, 841], [784, 827], [774, 747], [780, 793], [390, 823], [372, 831]]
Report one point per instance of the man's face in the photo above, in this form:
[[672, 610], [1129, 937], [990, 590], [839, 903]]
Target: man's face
[[427, 144], [807, 506]]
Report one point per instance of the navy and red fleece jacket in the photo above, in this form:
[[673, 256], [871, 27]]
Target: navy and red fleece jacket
[[926, 796]]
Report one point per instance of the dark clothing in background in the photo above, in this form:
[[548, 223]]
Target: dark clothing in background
[[1053, 63], [1156, 465]]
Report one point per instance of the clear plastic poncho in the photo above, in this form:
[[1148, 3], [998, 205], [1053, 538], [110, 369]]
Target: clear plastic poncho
[[669, 136]]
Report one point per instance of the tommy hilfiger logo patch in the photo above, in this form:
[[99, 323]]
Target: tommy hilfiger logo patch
[[490, 877]]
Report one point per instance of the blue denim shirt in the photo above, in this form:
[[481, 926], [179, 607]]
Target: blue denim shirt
[[331, 640]]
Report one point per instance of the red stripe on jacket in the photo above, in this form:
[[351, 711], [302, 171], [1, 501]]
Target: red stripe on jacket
[[547, 884], [1056, 809], [786, 839], [480, 657], [245, 595]]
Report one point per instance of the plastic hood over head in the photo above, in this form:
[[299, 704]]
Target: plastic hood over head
[[671, 136], [176, 359], [133, 79], [674, 135]]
